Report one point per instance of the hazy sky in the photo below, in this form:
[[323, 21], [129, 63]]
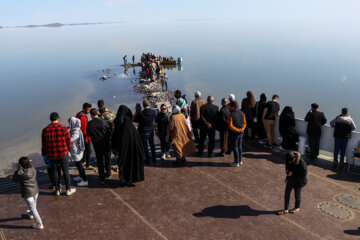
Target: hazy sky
[[324, 12]]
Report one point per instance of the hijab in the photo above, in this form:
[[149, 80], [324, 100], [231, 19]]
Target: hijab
[[75, 125]]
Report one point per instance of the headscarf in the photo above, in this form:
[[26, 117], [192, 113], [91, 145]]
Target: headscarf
[[176, 109], [75, 125], [123, 111]]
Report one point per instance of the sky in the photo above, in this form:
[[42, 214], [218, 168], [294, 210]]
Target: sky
[[322, 12]]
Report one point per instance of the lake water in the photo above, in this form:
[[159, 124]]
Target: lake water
[[57, 69]]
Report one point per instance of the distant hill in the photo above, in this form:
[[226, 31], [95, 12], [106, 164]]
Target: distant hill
[[58, 25]]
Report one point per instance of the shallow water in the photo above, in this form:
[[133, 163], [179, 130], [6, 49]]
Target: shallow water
[[57, 69]]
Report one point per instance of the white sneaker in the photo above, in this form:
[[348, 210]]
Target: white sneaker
[[57, 193], [233, 164], [168, 155], [77, 179], [163, 156], [70, 191], [82, 183], [38, 226], [241, 163]]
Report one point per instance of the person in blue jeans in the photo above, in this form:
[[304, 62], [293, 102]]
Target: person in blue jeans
[[343, 125], [237, 125], [145, 120]]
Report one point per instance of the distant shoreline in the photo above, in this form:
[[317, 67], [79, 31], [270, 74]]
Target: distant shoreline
[[57, 25]]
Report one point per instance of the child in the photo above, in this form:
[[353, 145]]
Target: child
[[26, 175]]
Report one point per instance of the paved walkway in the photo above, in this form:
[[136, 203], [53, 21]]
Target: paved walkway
[[205, 200]]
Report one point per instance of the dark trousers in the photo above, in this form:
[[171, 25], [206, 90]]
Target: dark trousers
[[340, 146], [203, 133], [64, 165], [51, 176], [196, 127], [87, 153], [103, 153], [80, 167], [235, 142], [314, 143], [288, 189], [148, 137], [224, 137], [165, 145]]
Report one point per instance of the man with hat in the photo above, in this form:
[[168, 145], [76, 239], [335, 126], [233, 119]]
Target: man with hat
[[56, 144], [315, 120]]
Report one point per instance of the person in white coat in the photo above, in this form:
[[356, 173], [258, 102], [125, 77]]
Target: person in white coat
[[77, 150]]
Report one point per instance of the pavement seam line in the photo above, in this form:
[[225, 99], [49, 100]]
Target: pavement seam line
[[313, 174], [137, 214], [249, 198], [2, 234]]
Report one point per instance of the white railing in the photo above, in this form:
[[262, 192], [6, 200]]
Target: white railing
[[327, 139]]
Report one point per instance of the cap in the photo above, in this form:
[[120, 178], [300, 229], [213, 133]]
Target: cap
[[54, 116]]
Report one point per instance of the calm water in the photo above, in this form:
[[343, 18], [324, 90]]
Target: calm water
[[57, 69]]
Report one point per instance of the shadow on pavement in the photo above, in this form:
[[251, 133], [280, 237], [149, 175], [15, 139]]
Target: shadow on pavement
[[355, 232], [221, 211]]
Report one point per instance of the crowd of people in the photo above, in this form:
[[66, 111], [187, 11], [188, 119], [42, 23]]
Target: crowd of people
[[183, 127]]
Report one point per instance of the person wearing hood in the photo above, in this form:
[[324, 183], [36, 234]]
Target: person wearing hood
[[343, 125], [296, 178], [287, 128], [77, 150], [145, 119], [247, 107], [181, 136], [162, 120], [127, 145], [257, 120]]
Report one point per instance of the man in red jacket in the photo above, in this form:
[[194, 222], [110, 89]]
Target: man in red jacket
[[84, 120]]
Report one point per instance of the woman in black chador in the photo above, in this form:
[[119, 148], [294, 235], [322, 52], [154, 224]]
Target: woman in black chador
[[126, 143], [287, 128]]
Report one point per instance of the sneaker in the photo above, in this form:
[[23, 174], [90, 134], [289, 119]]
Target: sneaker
[[70, 191], [57, 193], [77, 179], [82, 183], [241, 163], [233, 164], [38, 226], [163, 156], [168, 155], [30, 214], [90, 168]]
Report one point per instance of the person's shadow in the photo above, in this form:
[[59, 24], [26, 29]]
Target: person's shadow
[[7, 226], [221, 211], [355, 232]]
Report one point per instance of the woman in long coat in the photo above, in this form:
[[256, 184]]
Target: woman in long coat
[[182, 141], [287, 128], [126, 143]]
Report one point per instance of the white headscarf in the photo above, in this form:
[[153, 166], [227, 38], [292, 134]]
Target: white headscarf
[[176, 109], [75, 125]]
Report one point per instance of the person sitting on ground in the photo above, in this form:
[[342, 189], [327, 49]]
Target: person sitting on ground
[[100, 132], [237, 125], [56, 143], [162, 120], [271, 111], [82, 115], [296, 178], [222, 126], [287, 128], [247, 107], [315, 120], [77, 150], [195, 114], [26, 176], [259, 125], [145, 119], [208, 114], [127, 145], [343, 125], [182, 141]]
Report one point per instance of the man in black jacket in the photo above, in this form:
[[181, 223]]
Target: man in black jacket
[[208, 113], [145, 119], [222, 125], [296, 178], [100, 132], [315, 120]]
